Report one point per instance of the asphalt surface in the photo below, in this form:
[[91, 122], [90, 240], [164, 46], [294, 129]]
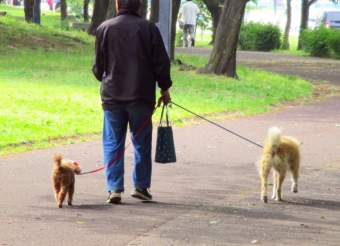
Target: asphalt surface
[[210, 196]]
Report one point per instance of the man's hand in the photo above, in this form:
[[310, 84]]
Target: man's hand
[[165, 98]]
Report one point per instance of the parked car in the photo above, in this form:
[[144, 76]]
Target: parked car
[[328, 18]]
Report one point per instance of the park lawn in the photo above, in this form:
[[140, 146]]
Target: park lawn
[[47, 19], [50, 95]]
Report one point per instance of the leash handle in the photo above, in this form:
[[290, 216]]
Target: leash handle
[[166, 115]]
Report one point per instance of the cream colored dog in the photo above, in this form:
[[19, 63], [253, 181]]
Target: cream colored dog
[[281, 153]]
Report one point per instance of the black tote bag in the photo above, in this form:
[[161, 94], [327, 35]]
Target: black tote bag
[[165, 146]]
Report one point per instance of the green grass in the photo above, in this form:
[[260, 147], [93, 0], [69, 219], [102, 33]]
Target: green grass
[[47, 19], [49, 95], [293, 43], [12, 11], [254, 93], [203, 40]]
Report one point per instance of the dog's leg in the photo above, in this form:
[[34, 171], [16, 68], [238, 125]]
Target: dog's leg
[[275, 183], [62, 195], [56, 187], [281, 176], [295, 175], [70, 194], [264, 172]]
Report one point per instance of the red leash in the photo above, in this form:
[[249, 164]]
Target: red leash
[[121, 152]]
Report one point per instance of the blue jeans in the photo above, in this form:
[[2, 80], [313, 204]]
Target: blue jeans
[[114, 133]]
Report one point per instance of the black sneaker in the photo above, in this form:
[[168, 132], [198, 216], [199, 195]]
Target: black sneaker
[[114, 197], [141, 193], [192, 42]]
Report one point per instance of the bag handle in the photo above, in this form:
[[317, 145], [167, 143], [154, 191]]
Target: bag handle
[[166, 115]]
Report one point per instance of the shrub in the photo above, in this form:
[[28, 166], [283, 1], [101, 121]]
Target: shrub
[[178, 39], [259, 37], [314, 41], [333, 43], [321, 42]]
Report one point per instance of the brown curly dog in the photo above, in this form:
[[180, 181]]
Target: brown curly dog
[[63, 179]]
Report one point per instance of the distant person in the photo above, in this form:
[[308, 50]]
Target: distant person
[[50, 4], [190, 11]]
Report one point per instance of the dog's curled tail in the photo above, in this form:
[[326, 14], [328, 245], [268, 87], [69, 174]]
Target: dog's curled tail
[[274, 134], [57, 160]]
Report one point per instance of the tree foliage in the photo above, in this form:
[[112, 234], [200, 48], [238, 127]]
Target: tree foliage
[[204, 18]]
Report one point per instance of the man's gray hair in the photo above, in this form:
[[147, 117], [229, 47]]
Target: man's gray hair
[[130, 4]]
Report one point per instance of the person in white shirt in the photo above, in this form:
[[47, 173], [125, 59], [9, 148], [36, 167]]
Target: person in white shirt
[[189, 10]]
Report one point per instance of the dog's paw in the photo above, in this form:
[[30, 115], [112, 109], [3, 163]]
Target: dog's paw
[[70, 204], [273, 197], [60, 206], [264, 199], [294, 189], [279, 199]]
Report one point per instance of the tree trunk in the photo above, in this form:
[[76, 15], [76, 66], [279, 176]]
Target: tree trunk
[[28, 9], [223, 56], [143, 10], [154, 13], [285, 43], [99, 15], [215, 9], [175, 9], [86, 10], [304, 18], [111, 10], [36, 12], [63, 10]]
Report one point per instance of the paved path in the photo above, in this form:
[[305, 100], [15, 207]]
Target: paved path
[[211, 196]]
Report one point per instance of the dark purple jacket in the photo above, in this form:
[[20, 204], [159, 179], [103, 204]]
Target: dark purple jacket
[[130, 58]]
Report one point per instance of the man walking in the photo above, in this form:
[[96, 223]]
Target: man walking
[[130, 58], [190, 11]]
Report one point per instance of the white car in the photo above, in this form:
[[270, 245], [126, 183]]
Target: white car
[[329, 18]]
